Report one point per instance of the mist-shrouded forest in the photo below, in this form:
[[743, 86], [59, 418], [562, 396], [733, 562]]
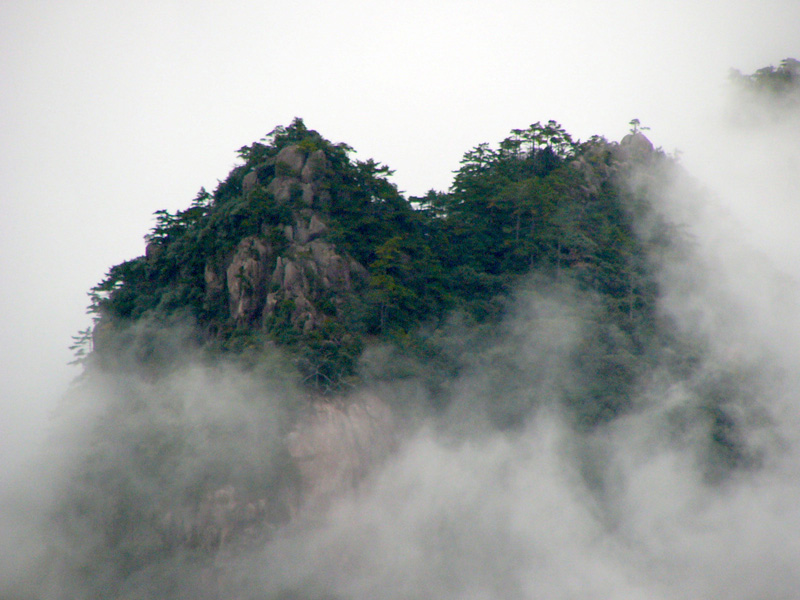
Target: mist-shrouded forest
[[566, 376]]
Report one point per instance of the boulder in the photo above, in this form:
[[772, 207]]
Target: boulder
[[315, 166], [308, 193], [250, 182], [306, 229], [281, 187], [291, 157], [316, 227], [294, 281], [635, 146]]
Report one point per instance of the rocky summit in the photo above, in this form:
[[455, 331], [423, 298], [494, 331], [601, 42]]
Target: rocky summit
[[282, 335]]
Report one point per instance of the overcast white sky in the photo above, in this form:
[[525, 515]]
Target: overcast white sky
[[110, 110]]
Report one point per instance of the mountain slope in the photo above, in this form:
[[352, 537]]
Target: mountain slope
[[304, 249]]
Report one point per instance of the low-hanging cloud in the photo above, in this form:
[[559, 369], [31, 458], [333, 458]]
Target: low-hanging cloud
[[634, 509], [500, 495]]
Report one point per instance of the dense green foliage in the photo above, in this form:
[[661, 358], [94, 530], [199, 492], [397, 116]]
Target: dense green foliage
[[781, 80], [541, 207], [534, 282], [772, 92]]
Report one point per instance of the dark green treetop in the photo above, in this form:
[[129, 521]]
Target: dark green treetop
[[540, 203]]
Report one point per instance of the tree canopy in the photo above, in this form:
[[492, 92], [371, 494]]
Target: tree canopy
[[539, 206]]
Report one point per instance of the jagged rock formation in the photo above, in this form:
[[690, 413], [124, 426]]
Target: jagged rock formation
[[294, 279], [293, 174], [302, 258], [260, 280]]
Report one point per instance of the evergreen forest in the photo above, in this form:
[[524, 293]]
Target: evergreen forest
[[431, 277], [283, 336]]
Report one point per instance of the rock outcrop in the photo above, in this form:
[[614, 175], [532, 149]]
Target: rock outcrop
[[287, 174], [261, 281], [246, 277], [337, 444], [332, 448], [635, 146], [264, 284], [602, 161]]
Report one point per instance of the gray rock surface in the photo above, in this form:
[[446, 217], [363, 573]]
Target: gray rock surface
[[635, 146], [292, 157], [337, 444], [245, 278]]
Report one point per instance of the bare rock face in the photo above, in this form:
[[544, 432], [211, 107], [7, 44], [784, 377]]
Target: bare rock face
[[307, 271], [336, 445], [294, 175], [257, 279], [281, 188], [307, 193], [597, 165], [307, 227], [260, 281], [315, 227], [249, 182], [635, 146], [602, 161], [314, 167], [332, 448], [246, 278], [291, 157]]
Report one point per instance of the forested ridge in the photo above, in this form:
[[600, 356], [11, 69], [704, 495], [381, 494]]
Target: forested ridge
[[540, 208], [305, 333]]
